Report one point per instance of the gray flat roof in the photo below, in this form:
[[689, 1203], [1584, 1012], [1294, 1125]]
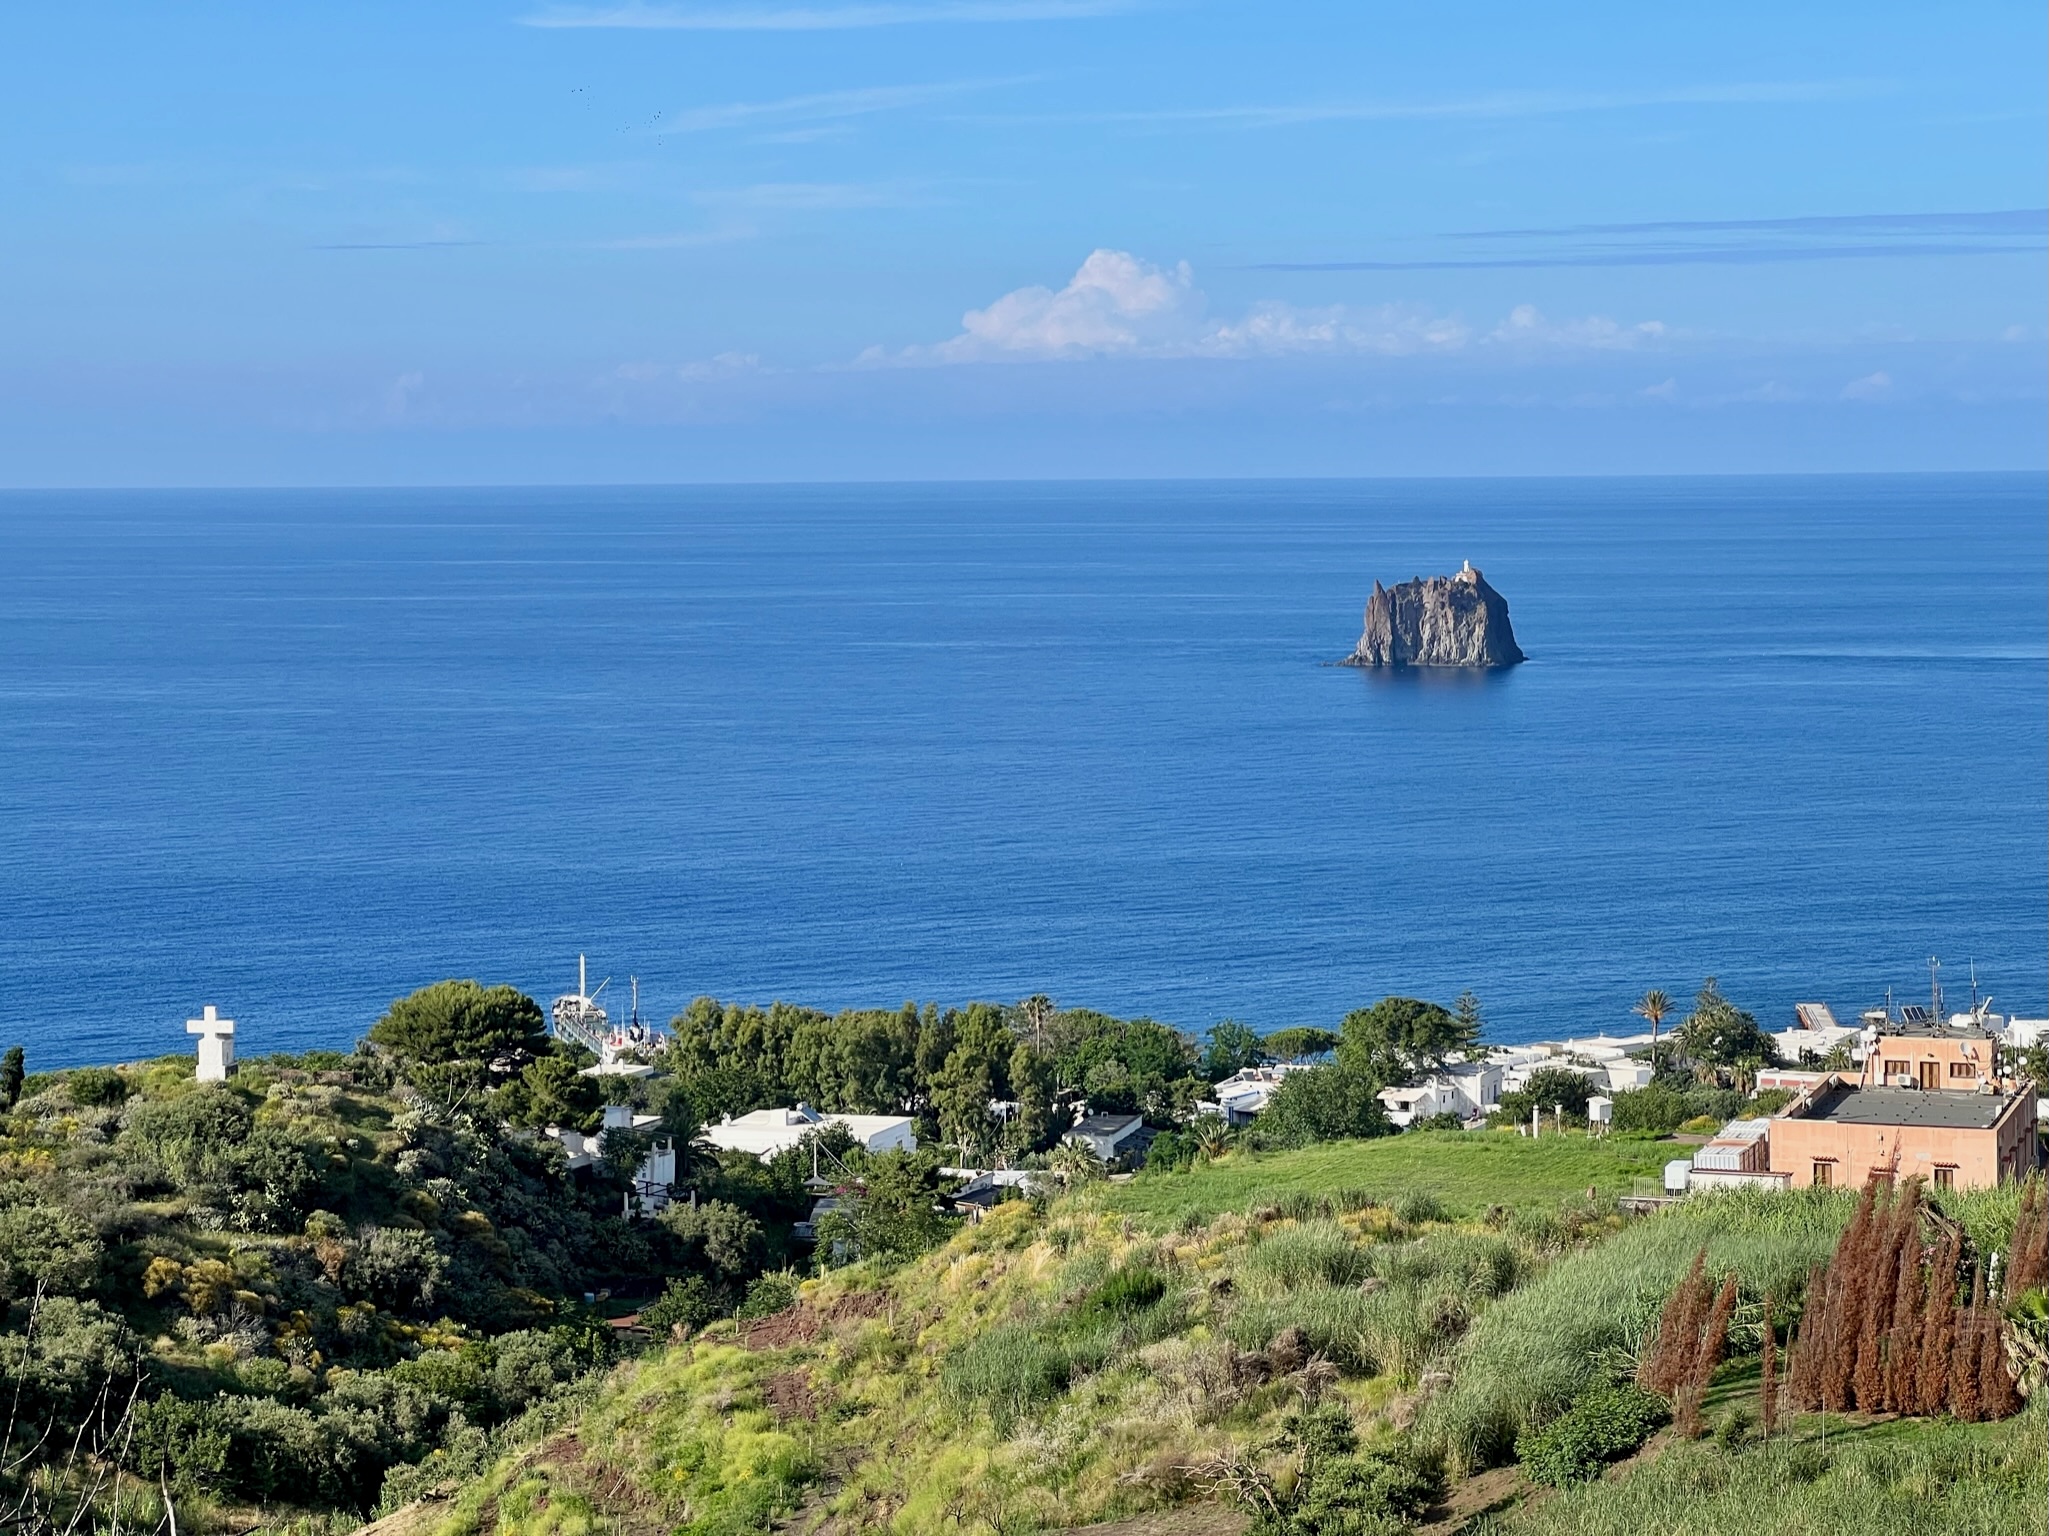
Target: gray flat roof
[[1929, 1029], [1932, 1107]]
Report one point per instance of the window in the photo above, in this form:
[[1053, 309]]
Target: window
[[1894, 1068], [1824, 1172], [1945, 1176], [1963, 1069]]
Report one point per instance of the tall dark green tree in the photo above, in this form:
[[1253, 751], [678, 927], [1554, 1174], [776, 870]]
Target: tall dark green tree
[[1719, 1034], [1232, 1048], [453, 1021], [1399, 1038], [1300, 1041], [13, 1070]]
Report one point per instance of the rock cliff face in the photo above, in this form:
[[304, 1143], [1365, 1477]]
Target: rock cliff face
[[1437, 621]]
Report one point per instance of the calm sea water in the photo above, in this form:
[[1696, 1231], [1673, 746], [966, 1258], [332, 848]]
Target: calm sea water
[[297, 753]]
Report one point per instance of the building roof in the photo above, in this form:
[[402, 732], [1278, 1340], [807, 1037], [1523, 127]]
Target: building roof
[[1932, 1029], [766, 1132], [1924, 1107], [1113, 1127], [1815, 1016]]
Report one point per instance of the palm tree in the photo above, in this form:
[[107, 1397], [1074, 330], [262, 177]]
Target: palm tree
[[1653, 1005], [1213, 1137]]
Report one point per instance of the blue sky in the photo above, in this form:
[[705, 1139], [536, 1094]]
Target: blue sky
[[774, 239]]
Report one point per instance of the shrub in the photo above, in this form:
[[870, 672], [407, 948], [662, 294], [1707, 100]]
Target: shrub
[[1128, 1290], [1314, 1253], [1418, 1206], [1657, 1108], [1606, 1424], [769, 1294], [1548, 1088], [690, 1303], [1322, 1104], [1341, 1491], [96, 1088], [1009, 1369]]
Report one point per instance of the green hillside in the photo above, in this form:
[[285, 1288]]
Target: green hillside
[[1354, 1338]]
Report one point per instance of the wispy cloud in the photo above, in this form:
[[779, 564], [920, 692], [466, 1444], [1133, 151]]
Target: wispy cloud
[[1119, 306], [1504, 104], [1721, 242], [2000, 221], [824, 18], [820, 106]]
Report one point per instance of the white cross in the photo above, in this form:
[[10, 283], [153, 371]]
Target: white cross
[[216, 1044]]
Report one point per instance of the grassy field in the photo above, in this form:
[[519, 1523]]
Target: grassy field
[[1465, 1171]]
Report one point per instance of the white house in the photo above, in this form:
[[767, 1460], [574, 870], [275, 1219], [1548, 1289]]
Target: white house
[[1625, 1074], [656, 1175], [1108, 1136], [1465, 1089], [1242, 1095], [765, 1132]]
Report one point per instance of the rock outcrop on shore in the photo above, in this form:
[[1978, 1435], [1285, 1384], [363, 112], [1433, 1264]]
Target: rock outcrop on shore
[[1437, 621]]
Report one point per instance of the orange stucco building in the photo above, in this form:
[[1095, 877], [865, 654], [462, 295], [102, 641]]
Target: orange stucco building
[[1929, 1103]]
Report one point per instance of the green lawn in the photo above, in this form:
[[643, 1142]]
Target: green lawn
[[1466, 1170]]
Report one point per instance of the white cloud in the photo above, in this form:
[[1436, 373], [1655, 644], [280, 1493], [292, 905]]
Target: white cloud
[[1115, 304], [1118, 305], [1527, 327], [1873, 386], [1391, 330], [822, 18], [723, 365]]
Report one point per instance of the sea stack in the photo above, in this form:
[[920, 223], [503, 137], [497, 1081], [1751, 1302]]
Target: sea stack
[[1437, 621]]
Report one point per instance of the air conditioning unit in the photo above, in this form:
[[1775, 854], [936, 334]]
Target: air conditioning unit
[[1903, 1080]]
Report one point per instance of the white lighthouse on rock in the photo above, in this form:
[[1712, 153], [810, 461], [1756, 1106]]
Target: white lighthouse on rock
[[216, 1044]]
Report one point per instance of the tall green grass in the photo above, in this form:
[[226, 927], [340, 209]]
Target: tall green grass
[[1530, 1354], [1386, 1309], [1311, 1253], [1933, 1478]]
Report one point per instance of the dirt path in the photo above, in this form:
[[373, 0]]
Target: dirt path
[[1188, 1520]]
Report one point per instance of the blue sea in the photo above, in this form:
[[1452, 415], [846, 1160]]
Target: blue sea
[[296, 753]]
